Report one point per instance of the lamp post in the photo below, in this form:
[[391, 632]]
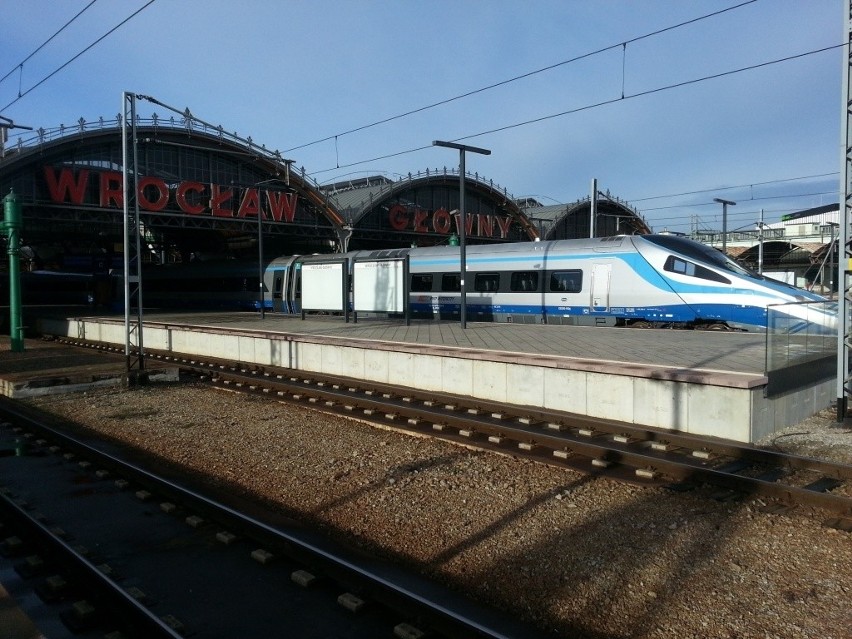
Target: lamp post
[[462, 223], [11, 228], [260, 253], [286, 181], [724, 204]]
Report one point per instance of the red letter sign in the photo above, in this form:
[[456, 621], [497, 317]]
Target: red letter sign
[[282, 205], [398, 217], [218, 197], [66, 186], [180, 195], [112, 194]]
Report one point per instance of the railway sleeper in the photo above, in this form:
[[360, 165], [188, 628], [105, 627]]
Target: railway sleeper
[[727, 495], [408, 631], [81, 617], [351, 602], [839, 523], [52, 589], [646, 473], [823, 485]]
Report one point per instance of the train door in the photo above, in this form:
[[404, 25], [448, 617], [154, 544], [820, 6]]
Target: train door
[[601, 275], [293, 287], [279, 276]]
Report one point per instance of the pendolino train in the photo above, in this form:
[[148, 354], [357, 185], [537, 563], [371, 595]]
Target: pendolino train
[[649, 281], [629, 280]]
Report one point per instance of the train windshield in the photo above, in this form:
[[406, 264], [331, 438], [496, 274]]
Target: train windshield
[[699, 252]]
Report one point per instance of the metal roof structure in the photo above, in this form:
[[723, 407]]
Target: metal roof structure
[[567, 221], [208, 192]]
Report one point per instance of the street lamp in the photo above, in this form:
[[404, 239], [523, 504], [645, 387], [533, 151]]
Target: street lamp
[[462, 224], [260, 231], [724, 204]]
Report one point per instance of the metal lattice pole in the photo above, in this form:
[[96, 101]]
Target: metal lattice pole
[[133, 348], [844, 217]]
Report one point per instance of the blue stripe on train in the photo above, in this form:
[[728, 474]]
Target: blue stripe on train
[[752, 316]]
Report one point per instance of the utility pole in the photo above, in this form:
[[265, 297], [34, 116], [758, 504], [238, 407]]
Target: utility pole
[[593, 207], [134, 352], [462, 222], [724, 204], [844, 216]]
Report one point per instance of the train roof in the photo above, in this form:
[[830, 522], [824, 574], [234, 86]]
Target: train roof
[[596, 243]]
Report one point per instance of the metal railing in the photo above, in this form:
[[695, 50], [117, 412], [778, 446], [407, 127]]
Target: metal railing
[[34, 141], [379, 191]]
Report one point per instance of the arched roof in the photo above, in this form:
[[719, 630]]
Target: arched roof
[[782, 252], [567, 221], [430, 193], [203, 189], [196, 178]]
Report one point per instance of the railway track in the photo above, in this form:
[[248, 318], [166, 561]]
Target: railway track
[[624, 451], [117, 548], [628, 452]]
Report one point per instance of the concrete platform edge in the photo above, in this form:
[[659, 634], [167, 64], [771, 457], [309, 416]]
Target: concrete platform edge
[[701, 402]]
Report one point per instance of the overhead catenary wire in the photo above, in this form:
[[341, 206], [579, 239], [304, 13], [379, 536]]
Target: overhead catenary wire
[[596, 105], [623, 45], [20, 65], [93, 44], [522, 76], [752, 199], [736, 186]]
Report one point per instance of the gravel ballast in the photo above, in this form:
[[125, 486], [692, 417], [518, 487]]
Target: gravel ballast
[[577, 556]]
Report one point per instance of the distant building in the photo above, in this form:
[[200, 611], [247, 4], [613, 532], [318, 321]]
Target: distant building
[[204, 193], [568, 221], [800, 248]]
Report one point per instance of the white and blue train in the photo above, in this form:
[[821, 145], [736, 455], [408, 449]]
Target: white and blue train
[[628, 280]]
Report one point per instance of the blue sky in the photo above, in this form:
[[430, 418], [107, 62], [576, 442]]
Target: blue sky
[[289, 73]]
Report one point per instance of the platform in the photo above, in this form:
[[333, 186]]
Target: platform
[[703, 383], [45, 368]]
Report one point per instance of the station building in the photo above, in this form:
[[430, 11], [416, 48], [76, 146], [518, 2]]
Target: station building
[[800, 249], [204, 193]]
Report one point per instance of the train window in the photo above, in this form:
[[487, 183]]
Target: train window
[[421, 282], [566, 281], [486, 282], [677, 265], [683, 267], [524, 281], [700, 252], [450, 282]]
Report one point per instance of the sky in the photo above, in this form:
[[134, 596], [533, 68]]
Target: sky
[[560, 91]]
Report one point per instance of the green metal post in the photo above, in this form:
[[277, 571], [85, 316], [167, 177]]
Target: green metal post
[[11, 227]]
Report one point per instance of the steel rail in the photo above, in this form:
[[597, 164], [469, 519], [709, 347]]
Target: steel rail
[[549, 417], [142, 619], [440, 616], [406, 415], [650, 452]]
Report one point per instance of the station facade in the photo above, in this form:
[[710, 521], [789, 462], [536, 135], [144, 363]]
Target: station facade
[[204, 193]]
